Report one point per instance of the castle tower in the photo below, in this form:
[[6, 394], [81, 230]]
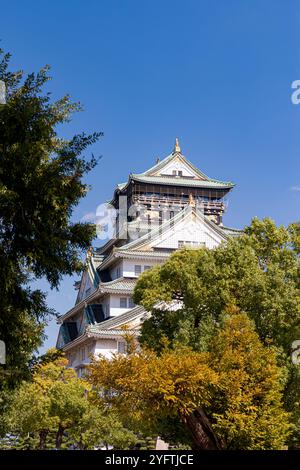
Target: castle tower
[[170, 206], [161, 192]]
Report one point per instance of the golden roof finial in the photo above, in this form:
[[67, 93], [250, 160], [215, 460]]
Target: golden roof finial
[[177, 146], [191, 200], [90, 252]]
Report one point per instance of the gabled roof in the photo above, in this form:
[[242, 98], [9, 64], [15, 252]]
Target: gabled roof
[[175, 155], [136, 249], [155, 175], [144, 240]]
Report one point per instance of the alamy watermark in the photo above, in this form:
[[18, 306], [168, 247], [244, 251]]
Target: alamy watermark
[[130, 222], [2, 92], [2, 352], [295, 96]]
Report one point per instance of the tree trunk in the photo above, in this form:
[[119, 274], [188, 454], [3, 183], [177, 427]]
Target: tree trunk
[[43, 436], [59, 437], [201, 431]]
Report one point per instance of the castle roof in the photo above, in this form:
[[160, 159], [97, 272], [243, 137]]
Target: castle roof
[[157, 174]]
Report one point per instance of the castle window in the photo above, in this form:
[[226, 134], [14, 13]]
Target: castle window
[[83, 356], [80, 372], [118, 272], [123, 302], [146, 268], [107, 310], [190, 244], [160, 217], [121, 347], [137, 269], [179, 173], [131, 303]]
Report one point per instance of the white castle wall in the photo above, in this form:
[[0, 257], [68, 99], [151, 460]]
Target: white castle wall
[[177, 166], [115, 309], [189, 231], [106, 347], [129, 266]]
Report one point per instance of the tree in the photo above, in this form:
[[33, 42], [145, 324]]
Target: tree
[[294, 230], [41, 181], [29, 413], [56, 403], [257, 273], [229, 397], [101, 427]]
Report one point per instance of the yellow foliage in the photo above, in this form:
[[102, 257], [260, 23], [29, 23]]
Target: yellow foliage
[[237, 382]]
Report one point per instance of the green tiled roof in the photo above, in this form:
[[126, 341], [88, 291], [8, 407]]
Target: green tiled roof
[[232, 231], [141, 254], [117, 322], [200, 181], [180, 181], [125, 285], [110, 333]]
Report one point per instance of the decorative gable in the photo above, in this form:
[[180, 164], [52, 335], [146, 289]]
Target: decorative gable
[[190, 232], [177, 167], [188, 228]]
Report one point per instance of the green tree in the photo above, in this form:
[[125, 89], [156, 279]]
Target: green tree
[[257, 273], [41, 181], [101, 427], [29, 413], [229, 397], [54, 410]]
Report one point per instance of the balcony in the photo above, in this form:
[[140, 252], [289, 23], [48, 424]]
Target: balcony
[[159, 202]]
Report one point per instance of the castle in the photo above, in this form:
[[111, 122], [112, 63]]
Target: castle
[[170, 206]]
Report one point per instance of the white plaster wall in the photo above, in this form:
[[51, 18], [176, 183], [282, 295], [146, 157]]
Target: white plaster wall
[[188, 230], [128, 266], [80, 355], [178, 166], [115, 309], [106, 347]]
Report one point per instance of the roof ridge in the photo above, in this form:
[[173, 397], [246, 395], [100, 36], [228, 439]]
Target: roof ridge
[[181, 181], [115, 281], [158, 164]]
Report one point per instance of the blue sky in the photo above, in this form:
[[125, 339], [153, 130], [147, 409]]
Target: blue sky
[[217, 74]]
